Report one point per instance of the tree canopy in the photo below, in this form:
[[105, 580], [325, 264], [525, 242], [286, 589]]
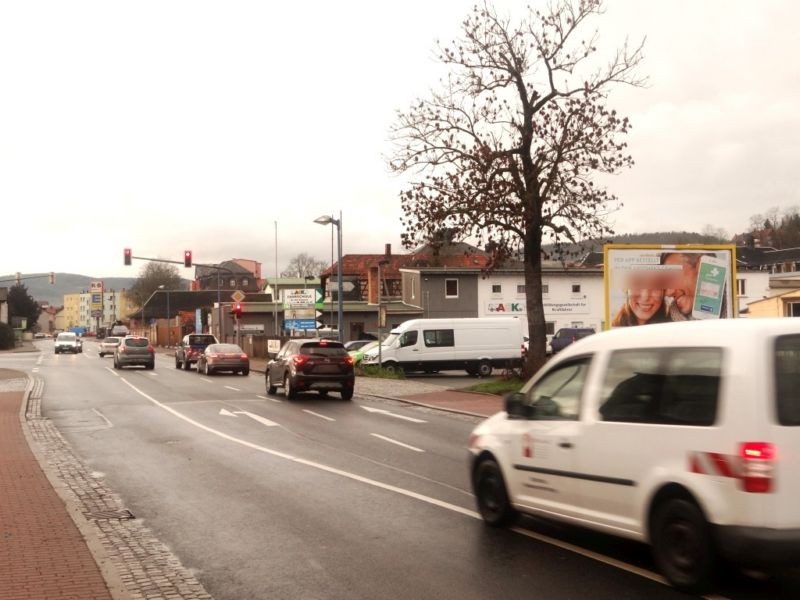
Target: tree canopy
[[304, 265], [151, 276], [22, 304], [505, 151]]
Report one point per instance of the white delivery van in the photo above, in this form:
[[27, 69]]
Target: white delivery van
[[682, 435], [476, 345]]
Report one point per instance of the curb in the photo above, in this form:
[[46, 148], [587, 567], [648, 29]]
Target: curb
[[432, 406]]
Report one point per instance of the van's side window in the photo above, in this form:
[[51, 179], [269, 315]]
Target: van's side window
[[787, 379], [557, 396], [437, 338], [665, 386], [409, 338]]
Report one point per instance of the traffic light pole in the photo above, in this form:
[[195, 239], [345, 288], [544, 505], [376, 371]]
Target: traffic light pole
[[19, 278]]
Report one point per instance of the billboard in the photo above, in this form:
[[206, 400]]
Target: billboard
[[96, 291], [662, 283]]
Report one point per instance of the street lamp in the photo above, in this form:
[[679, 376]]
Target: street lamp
[[380, 313], [326, 220], [169, 329]]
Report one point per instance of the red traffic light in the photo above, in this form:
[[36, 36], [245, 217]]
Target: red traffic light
[[128, 257], [237, 309], [187, 258]]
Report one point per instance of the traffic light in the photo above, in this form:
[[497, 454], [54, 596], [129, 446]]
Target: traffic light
[[128, 257], [237, 310], [187, 258], [52, 278]]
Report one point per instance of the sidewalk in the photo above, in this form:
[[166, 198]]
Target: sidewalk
[[42, 553]]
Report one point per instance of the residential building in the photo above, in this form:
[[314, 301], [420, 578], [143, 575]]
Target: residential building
[[230, 275], [117, 306], [4, 305], [72, 310]]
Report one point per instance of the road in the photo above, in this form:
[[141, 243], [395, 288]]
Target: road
[[315, 498]]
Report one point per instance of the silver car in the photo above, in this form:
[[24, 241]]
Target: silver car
[[108, 346], [134, 350]]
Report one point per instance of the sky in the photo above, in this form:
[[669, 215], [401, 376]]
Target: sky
[[168, 125]]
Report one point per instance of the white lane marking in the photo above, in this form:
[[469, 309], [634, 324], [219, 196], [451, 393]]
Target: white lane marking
[[398, 490], [35, 370], [112, 371], [229, 387], [259, 418], [262, 397], [309, 463], [311, 412], [152, 374], [268, 398], [41, 358], [226, 413], [102, 416], [391, 414], [391, 441], [206, 380], [86, 356]]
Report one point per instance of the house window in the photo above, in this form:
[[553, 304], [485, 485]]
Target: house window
[[793, 309], [413, 287], [451, 288], [497, 288], [576, 288], [232, 282], [545, 288], [245, 282], [740, 287], [521, 289], [550, 328]]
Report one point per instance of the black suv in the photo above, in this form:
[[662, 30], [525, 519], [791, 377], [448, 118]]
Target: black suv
[[566, 335], [190, 349], [311, 365]]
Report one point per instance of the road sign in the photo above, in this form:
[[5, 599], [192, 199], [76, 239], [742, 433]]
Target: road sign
[[97, 313], [252, 328], [347, 286], [96, 287], [300, 324], [238, 296], [297, 298]]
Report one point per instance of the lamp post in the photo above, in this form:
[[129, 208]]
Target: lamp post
[[169, 329], [380, 313], [329, 220]]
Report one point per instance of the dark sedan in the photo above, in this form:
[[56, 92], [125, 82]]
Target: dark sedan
[[311, 365], [223, 357]]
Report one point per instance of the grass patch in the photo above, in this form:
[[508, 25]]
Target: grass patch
[[499, 387], [380, 372]]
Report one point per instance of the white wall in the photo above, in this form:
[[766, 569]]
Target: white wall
[[756, 287], [562, 306]]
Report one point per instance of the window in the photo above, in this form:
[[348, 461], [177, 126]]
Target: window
[[497, 288], [245, 282], [438, 338], [451, 288], [793, 309], [787, 379], [232, 282], [413, 287], [409, 338], [576, 288], [557, 396], [740, 287], [664, 386], [545, 288], [550, 327]]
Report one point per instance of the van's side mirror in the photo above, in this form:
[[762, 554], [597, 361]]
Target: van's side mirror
[[515, 406]]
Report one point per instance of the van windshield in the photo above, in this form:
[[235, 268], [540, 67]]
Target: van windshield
[[389, 340]]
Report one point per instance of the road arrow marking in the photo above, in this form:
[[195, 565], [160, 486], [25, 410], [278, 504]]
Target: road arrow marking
[[259, 418], [391, 414], [226, 413], [391, 441], [311, 412]]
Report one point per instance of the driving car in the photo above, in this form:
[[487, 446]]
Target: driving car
[[568, 335], [680, 435], [190, 349], [134, 350], [67, 342], [223, 357], [311, 365], [108, 346]]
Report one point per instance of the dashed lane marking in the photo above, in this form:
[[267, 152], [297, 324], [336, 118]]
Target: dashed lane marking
[[230, 387], [311, 412], [391, 441]]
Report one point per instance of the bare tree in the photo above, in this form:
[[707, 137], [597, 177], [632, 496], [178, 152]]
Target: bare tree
[[152, 275], [504, 152], [304, 265]]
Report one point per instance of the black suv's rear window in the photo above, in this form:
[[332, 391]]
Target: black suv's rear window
[[787, 379], [201, 340], [136, 342], [323, 349]]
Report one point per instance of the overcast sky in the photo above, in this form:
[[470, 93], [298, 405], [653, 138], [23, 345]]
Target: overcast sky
[[172, 125]]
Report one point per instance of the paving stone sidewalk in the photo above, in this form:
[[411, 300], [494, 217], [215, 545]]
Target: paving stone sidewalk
[[127, 562]]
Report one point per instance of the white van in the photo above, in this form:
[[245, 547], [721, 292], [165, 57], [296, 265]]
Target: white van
[[683, 435], [474, 344]]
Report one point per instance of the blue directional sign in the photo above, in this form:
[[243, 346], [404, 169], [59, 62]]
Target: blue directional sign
[[300, 324]]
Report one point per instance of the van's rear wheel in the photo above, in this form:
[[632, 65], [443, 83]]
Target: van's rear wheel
[[484, 368], [392, 367], [492, 496], [682, 545]]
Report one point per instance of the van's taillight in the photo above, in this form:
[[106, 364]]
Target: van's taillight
[[758, 464]]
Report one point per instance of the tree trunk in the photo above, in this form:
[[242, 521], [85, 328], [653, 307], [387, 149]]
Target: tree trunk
[[537, 330]]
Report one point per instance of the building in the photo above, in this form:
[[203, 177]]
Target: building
[[4, 305], [117, 306], [235, 274]]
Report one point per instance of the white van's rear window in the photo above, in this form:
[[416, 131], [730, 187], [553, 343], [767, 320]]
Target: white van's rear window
[[787, 379]]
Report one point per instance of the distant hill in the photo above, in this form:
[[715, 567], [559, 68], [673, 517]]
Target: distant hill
[[67, 283]]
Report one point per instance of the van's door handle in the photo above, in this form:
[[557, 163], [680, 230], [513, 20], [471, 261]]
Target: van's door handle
[[565, 444]]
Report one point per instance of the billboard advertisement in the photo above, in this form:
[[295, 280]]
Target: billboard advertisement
[[663, 283]]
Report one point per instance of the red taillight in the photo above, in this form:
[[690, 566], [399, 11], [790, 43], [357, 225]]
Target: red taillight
[[150, 349], [473, 440], [213, 355], [122, 348], [348, 360], [757, 462], [244, 357], [299, 359]]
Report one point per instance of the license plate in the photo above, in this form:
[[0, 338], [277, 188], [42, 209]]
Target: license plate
[[326, 369]]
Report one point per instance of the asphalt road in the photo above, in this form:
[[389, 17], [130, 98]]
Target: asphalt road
[[266, 498]]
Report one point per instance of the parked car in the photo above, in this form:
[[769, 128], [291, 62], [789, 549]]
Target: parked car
[[119, 331], [108, 346], [356, 344], [190, 349], [134, 350], [68, 342], [311, 365], [39, 335], [680, 435], [223, 357], [568, 335], [358, 354]]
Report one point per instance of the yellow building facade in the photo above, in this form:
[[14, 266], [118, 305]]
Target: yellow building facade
[[782, 305], [72, 310]]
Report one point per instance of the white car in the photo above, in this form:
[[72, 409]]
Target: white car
[[685, 436], [108, 346]]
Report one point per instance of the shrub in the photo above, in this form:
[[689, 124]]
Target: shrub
[[376, 371], [6, 337]]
